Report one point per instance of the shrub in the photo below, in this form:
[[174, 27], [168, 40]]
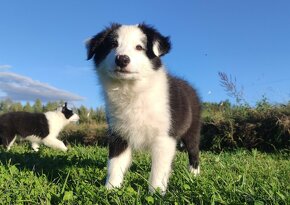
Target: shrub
[[86, 134], [266, 127]]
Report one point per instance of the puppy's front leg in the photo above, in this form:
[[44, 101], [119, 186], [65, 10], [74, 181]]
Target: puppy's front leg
[[163, 151], [120, 157], [54, 143]]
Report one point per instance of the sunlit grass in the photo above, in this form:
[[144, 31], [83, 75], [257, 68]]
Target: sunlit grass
[[77, 177]]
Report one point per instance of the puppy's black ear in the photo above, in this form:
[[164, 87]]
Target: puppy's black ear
[[64, 107], [157, 43], [93, 43], [96, 45]]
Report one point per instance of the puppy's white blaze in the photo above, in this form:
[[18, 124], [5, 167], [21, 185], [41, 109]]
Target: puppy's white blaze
[[194, 171], [139, 66], [130, 34], [117, 167]]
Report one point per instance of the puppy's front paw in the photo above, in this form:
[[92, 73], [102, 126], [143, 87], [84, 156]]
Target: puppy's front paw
[[110, 186], [64, 149], [194, 171], [161, 190]]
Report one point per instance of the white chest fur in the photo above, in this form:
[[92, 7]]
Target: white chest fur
[[139, 110], [56, 122]]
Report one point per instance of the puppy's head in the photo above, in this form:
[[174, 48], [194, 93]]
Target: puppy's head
[[69, 114], [128, 52]]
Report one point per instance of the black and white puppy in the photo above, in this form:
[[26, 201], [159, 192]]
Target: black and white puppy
[[38, 128], [145, 106]]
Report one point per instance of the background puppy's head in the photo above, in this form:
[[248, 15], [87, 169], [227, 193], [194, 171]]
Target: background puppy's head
[[128, 51], [69, 114]]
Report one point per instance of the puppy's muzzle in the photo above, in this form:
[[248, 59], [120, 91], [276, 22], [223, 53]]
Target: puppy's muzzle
[[122, 60]]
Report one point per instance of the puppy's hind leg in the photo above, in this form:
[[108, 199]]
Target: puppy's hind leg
[[11, 143], [191, 142], [7, 138], [54, 143]]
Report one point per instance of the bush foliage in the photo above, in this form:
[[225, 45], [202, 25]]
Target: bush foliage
[[265, 127]]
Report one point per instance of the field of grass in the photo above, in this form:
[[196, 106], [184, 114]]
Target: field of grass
[[77, 177]]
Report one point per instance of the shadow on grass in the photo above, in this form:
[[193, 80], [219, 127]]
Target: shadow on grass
[[54, 166]]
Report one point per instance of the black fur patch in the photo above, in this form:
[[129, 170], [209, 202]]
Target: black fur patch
[[23, 124], [152, 36], [102, 43], [67, 112], [117, 145], [185, 114]]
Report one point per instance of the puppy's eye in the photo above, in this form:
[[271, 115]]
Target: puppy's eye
[[139, 48], [114, 44]]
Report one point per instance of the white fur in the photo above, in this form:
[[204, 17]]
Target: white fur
[[135, 114], [194, 171], [137, 106], [156, 48], [56, 121], [163, 152], [117, 167], [35, 142], [35, 146]]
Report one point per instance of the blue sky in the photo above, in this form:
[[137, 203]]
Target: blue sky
[[42, 48]]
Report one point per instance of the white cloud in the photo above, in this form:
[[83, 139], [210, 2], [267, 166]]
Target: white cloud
[[22, 88], [5, 66]]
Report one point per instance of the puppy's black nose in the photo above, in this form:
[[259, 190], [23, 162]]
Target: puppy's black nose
[[122, 60]]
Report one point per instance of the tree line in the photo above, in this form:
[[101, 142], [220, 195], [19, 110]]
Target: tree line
[[225, 126], [87, 115]]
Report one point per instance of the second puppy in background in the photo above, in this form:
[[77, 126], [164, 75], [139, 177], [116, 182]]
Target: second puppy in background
[[38, 128]]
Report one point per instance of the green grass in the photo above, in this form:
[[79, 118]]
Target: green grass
[[77, 177]]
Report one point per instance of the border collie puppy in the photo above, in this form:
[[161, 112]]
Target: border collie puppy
[[38, 128], [145, 106]]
